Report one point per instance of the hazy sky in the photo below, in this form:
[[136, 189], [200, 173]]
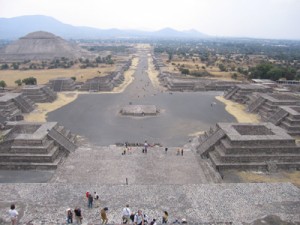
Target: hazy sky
[[242, 18]]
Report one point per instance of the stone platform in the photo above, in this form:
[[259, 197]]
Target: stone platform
[[39, 93], [262, 146], [139, 110], [62, 84], [26, 145], [200, 204]]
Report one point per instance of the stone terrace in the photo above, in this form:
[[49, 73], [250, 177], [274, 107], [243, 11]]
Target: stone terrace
[[62, 84], [27, 145], [267, 104], [39, 93], [240, 93], [139, 110], [262, 146], [287, 117], [12, 105], [199, 204]]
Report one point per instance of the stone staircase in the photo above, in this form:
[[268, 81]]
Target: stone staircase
[[278, 116], [253, 107], [231, 92], [24, 104], [208, 143], [57, 86], [63, 138]]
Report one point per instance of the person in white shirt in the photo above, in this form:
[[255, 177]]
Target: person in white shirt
[[126, 214], [13, 214], [139, 218]]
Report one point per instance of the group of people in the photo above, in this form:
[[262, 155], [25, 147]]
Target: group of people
[[140, 218]]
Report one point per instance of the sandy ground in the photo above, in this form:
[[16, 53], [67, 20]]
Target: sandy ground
[[128, 76], [40, 113], [259, 177], [238, 111], [43, 76], [152, 73]]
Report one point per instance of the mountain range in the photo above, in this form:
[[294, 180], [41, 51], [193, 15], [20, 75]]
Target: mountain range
[[16, 27]]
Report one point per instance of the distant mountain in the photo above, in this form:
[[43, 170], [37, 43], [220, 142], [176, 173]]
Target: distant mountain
[[16, 27]]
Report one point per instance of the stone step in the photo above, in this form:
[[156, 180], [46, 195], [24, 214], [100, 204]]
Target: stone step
[[256, 166], [31, 165], [23, 149], [286, 149], [34, 158], [244, 158]]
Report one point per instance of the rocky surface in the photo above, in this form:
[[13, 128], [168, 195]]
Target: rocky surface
[[198, 203]]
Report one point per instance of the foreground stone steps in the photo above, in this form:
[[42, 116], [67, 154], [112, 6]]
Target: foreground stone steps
[[198, 204]]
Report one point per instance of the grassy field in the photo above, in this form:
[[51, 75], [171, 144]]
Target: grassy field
[[43, 76], [196, 65]]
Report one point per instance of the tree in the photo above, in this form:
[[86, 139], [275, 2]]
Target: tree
[[29, 81], [2, 84], [222, 67], [185, 71], [73, 78], [18, 82], [234, 76], [4, 66]]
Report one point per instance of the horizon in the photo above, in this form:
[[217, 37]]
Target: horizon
[[270, 19]]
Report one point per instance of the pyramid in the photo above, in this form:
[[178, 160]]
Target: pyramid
[[41, 45]]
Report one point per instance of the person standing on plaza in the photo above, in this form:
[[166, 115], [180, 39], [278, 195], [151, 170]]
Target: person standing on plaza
[[104, 215], [126, 214], [13, 214], [165, 217], [146, 146], [139, 218], [90, 201], [78, 215], [69, 216]]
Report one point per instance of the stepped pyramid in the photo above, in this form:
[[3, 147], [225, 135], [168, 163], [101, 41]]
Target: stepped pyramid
[[40, 45]]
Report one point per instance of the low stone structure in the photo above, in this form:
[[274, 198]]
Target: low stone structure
[[139, 110], [39, 93], [175, 82], [267, 104], [62, 84], [108, 82], [287, 117], [12, 105], [240, 93], [27, 145], [262, 146]]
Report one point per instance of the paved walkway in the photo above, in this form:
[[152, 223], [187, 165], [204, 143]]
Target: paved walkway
[[198, 203]]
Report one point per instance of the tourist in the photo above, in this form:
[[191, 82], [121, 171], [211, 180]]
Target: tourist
[[146, 146], [165, 217], [182, 151], [166, 150], [178, 151], [13, 214], [96, 200], [146, 219], [132, 217], [87, 194], [69, 216], [126, 214], [90, 201], [78, 215], [139, 218], [104, 215], [153, 222]]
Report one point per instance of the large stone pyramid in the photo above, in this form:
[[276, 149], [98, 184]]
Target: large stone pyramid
[[40, 45]]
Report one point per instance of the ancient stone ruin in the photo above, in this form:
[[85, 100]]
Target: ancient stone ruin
[[288, 118], [175, 82], [139, 110], [39, 93], [267, 104], [12, 105], [106, 83], [62, 84], [262, 146], [41, 46], [240, 93], [27, 145]]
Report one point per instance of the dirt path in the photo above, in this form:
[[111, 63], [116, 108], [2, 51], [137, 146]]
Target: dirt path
[[238, 111]]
